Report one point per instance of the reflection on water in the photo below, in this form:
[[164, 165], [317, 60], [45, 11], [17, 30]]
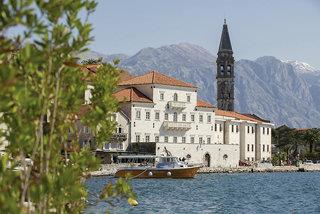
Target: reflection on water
[[218, 193]]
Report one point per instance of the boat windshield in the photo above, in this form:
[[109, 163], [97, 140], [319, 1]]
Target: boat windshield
[[136, 159], [168, 159]]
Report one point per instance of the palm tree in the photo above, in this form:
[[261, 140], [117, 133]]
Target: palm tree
[[312, 137]]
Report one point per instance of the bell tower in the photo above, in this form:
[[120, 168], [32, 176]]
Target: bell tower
[[225, 72]]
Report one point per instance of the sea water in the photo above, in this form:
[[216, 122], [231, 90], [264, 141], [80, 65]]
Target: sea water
[[216, 193]]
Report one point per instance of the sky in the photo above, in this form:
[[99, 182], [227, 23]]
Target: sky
[[286, 29]]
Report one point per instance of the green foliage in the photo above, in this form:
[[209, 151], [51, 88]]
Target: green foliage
[[312, 138], [294, 144], [42, 90], [91, 61]]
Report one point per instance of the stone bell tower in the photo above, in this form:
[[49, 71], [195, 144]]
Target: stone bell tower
[[225, 72]]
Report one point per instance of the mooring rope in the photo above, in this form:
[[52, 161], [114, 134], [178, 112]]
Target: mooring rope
[[140, 173]]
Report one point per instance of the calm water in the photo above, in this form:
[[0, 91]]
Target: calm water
[[219, 193]]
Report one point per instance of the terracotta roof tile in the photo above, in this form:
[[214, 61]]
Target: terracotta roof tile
[[154, 77], [236, 115], [204, 104], [131, 95]]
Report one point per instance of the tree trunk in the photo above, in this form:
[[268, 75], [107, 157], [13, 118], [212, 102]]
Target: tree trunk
[[310, 146]]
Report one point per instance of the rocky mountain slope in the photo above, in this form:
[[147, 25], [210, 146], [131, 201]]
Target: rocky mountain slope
[[285, 92]]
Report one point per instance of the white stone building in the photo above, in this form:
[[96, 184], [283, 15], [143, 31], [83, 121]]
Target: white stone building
[[158, 109]]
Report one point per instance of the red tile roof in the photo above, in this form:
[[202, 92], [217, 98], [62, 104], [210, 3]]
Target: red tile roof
[[154, 77], [131, 95], [236, 115], [204, 104]]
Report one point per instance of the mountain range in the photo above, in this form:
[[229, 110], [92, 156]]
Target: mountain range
[[285, 92]]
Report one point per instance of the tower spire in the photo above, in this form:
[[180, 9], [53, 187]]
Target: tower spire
[[225, 43], [225, 72]]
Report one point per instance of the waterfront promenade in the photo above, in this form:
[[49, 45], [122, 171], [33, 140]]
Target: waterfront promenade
[[110, 169]]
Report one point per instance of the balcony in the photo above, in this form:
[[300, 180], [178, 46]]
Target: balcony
[[118, 137], [176, 105], [171, 125]]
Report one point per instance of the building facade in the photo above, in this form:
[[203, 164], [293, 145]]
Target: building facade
[[161, 110], [166, 113]]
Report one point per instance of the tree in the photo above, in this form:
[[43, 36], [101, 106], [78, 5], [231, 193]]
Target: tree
[[287, 140], [92, 61], [312, 137], [41, 83]]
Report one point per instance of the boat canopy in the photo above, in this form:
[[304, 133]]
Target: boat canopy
[[137, 157]]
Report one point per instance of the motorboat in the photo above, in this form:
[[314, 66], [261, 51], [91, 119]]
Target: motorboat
[[157, 167]]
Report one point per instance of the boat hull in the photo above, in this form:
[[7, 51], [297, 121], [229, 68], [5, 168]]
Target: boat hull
[[176, 173]]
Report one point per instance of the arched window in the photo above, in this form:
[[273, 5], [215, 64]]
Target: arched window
[[229, 69], [222, 69], [175, 97]]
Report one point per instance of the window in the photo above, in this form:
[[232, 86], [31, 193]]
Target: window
[[200, 118], [147, 138], [156, 139], [215, 127], [267, 131], [252, 130], [208, 140], [252, 159], [188, 98], [248, 147], [157, 115], [175, 139], [147, 115], [248, 129], [196, 127], [263, 131], [153, 125], [268, 148], [184, 117], [86, 129], [192, 117], [248, 159], [175, 117], [183, 139], [166, 116], [237, 128], [166, 139], [107, 146], [211, 128], [175, 97], [120, 146], [222, 69], [161, 96], [137, 138], [232, 128], [134, 124], [229, 69], [252, 147], [220, 127], [200, 140], [191, 139], [209, 118], [119, 130], [263, 148], [138, 114]]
